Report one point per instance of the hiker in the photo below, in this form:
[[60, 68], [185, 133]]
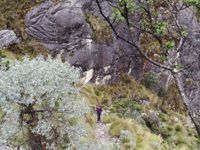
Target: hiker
[[98, 110]]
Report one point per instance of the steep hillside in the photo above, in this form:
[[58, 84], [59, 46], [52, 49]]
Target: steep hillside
[[136, 117], [142, 105]]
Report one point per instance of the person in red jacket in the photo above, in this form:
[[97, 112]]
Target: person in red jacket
[[98, 110]]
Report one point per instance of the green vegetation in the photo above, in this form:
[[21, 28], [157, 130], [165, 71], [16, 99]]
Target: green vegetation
[[41, 105], [126, 88], [143, 126], [150, 80], [125, 107], [172, 99], [134, 136], [2, 55], [101, 31]]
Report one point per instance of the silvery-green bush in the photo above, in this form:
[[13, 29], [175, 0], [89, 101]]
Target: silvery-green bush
[[39, 100]]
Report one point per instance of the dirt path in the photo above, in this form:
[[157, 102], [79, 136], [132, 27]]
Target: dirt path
[[102, 133], [103, 136]]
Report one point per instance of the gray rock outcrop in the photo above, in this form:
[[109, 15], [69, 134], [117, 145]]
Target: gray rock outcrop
[[7, 37], [190, 59], [77, 28]]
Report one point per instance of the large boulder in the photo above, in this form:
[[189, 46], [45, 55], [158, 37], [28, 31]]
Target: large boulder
[[57, 26], [76, 27], [7, 37]]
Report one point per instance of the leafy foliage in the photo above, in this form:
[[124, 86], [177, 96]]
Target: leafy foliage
[[159, 24], [120, 12], [160, 27], [125, 107], [169, 45], [1, 54], [150, 80], [40, 100], [193, 2]]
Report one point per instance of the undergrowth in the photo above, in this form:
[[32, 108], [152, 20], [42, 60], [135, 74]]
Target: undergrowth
[[142, 126]]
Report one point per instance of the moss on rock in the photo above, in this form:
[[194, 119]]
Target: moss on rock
[[101, 32]]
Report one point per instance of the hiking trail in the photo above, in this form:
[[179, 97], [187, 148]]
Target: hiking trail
[[102, 133], [103, 136]]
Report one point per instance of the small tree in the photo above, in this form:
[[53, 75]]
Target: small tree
[[159, 22], [41, 104]]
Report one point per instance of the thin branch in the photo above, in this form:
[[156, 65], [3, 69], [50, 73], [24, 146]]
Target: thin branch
[[186, 100], [135, 45], [181, 43]]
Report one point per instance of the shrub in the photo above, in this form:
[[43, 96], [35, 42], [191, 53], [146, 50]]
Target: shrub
[[4, 64], [2, 55], [40, 97], [116, 128], [150, 80], [125, 107], [132, 134], [173, 100]]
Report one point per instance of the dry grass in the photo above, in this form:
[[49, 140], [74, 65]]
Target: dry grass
[[101, 32], [170, 132], [136, 137], [126, 88], [172, 99]]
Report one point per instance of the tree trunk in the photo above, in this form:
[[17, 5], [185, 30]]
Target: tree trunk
[[195, 116], [36, 141], [193, 113]]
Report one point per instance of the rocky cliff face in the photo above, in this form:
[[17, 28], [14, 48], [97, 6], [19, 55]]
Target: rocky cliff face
[[77, 29], [190, 59]]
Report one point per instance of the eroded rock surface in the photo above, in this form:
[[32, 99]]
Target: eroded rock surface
[[7, 37], [78, 29], [190, 61]]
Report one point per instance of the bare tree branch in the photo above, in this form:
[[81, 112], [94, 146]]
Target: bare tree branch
[[134, 44]]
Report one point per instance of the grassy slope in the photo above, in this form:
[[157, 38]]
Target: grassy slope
[[133, 123]]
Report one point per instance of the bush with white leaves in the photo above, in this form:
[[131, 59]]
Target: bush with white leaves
[[41, 104]]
